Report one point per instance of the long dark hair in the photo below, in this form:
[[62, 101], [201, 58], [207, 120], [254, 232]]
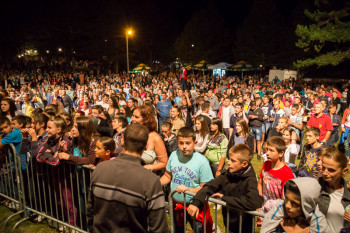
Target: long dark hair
[[87, 132], [12, 109], [115, 102], [148, 117]]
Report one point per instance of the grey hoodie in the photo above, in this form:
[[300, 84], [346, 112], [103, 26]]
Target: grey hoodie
[[309, 190]]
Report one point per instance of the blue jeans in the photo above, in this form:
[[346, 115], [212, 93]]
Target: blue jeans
[[257, 133], [347, 147], [265, 127]]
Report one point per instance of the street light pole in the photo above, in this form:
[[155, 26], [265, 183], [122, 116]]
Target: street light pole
[[129, 32], [127, 54]]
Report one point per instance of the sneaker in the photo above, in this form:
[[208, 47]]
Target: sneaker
[[39, 219], [62, 228], [258, 157]]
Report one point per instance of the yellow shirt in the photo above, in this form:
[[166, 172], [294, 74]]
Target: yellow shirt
[[29, 110]]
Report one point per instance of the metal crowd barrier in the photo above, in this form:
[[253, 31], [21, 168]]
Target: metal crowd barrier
[[216, 202], [11, 188], [58, 194]]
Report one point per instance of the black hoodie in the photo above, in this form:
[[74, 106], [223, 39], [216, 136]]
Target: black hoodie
[[240, 193]]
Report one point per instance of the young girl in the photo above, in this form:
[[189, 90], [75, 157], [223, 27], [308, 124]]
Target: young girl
[[298, 212], [8, 108], [202, 135], [84, 142], [217, 147], [57, 142], [243, 135], [105, 147], [176, 119], [335, 122], [126, 111], [292, 143]]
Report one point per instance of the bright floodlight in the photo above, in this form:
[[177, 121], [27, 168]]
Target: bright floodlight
[[59, 50], [129, 32]]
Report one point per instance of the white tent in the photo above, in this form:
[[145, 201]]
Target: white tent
[[220, 68], [221, 65], [282, 74]]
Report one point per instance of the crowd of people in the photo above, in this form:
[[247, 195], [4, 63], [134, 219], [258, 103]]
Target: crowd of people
[[148, 135]]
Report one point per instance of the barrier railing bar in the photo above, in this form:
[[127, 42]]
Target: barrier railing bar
[[72, 194], [216, 202]]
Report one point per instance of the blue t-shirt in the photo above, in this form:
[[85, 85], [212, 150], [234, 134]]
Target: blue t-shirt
[[15, 137], [267, 110], [177, 99], [164, 108], [189, 171]]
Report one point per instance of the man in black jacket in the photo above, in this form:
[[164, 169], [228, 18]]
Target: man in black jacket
[[237, 187]]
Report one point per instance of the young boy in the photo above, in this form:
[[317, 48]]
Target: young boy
[[274, 174], [19, 121], [296, 120], [9, 134], [298, 212], [308, 162], [187, 170], [282, 123], [237, 187]]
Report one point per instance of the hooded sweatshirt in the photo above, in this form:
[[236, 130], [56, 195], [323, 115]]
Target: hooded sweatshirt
[[309, 191]]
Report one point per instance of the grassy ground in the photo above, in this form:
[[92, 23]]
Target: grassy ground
[[25, 227]]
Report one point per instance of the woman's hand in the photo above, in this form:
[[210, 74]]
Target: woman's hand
[[63, 146], [343, 129], [63, 155], [218, 173]]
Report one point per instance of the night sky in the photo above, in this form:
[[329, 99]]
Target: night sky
[[94, 29]]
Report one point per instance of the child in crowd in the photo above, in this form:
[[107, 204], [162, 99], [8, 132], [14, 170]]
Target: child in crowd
[[336, 122], [105, 147], [9, 134], [296, 120], [49, 152], [237, 187], [320, 154], [264, 150], [291, 139], [307, 165], [298, 212], [19, 121], [84, 142], [274, 174], [282, 123], [168, 137], [187, 170]]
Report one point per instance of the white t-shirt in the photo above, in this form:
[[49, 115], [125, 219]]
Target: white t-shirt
[[336, 210], [291, 149], [225, 117]]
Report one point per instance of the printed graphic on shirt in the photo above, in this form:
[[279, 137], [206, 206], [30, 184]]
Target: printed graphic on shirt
[[310, 163], [272, 187]]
